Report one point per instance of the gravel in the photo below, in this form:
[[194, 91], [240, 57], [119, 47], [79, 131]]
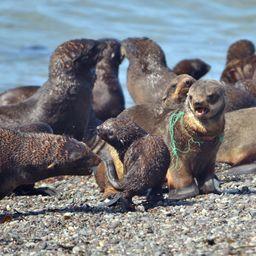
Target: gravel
[[73, 222]]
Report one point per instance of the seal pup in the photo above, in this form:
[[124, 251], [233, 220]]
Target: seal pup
[[68, 91], [240, 49], [29, 157], [195, 134], [196, 68], [241, 62], [239, 144], [108, 99], [148, 74], [145, 158]]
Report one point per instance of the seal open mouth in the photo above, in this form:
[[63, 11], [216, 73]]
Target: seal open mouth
[[201, 111]]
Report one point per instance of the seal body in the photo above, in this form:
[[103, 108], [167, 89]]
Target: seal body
[[196, 68], [30, 157], [108, 99], [241, 62], [68, 91], [147, 75], [239, 144], [145, 158], [196, 136]]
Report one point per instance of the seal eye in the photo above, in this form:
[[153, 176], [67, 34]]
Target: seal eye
[[110, 134], [213, 98], [190, 97]]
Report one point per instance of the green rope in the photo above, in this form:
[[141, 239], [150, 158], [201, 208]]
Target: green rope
[[174, 118]]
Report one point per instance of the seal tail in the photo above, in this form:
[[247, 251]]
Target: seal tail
[[112, 175], [241, 170]]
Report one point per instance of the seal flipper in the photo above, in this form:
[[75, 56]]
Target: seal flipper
[[126, 204], [184, 193], [112, 175], [241, 170]]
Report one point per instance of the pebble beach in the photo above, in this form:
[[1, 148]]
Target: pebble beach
[[75, 222]]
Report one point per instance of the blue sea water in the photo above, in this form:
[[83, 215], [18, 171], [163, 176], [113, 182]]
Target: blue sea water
[[30, 30]]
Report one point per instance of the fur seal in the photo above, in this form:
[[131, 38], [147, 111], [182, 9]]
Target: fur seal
[[68, 90], [30, 157], [108, 99], [239, 144], [148, 74], [145, 158], [241, 62], [240, 49], [196, 68], [238, 98], [196, 136]]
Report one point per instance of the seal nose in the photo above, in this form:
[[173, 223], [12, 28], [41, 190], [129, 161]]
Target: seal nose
[[198, 104]]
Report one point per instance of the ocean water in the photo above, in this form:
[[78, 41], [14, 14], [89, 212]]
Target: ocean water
[[31, 30]]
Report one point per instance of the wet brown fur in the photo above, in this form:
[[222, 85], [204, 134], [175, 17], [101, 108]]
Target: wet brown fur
[[68, 91], [108, 98], [196, 68], [148, 74], [241, 62], [145, 158], [29, 157], [199, 162]]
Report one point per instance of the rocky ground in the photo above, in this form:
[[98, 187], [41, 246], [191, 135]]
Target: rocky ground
[[72, 222]]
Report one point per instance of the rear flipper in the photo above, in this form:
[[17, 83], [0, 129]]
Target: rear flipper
[[118, 199], [184, 193]]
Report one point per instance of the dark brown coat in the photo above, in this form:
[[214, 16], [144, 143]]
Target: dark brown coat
[[29, 157]]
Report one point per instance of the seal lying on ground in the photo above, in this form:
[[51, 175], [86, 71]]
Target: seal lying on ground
[[241, 62], [148, 74], [29, 157], [193, 67], [239, 145], [145, 158], [193, 135], [108, 98]]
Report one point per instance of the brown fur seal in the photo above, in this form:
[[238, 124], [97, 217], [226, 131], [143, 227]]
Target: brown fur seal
[[193, 67], [148, 116], [241, 62], [238, 98], [196, 135], [145, 157], [240, 49], [108, 98], [239, 145], [29, 157], [147, 75], [64, 101]]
